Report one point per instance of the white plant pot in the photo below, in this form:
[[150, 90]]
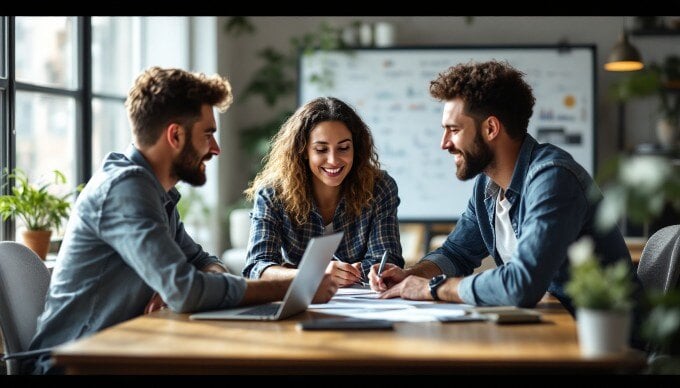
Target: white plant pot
[[667, 133], [239, 228], [601, 332]]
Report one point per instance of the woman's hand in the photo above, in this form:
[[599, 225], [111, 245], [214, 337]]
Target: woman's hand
[[344, 274]]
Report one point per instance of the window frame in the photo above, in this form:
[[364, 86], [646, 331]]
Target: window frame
[[8, 90], [82, 96]]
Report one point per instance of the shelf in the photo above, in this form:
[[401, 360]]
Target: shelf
[[670, 89], [655, 32]]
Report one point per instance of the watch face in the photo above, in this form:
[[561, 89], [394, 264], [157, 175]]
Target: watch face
[[437, 280]]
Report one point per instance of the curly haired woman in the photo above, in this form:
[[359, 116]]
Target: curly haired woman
[[322, 176]]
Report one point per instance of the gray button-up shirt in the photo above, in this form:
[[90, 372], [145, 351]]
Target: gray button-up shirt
[[123, 241]]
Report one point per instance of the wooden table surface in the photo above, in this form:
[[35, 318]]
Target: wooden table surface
[[168, 343]]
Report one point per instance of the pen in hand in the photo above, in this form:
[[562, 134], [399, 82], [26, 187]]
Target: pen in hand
[[383, 260], [335, 258]]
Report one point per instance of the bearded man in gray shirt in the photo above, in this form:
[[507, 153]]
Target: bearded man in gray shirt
[[125, 251]]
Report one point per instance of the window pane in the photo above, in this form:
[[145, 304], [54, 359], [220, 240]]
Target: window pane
[[110, 131], [113, 54], [164, 41], [45, 137], [45, 51], [45, 134]]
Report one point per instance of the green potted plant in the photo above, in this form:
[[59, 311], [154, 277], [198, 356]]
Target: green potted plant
[[38, 209], [642, 188], [603, 300]]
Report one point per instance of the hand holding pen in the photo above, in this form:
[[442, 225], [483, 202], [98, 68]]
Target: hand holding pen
[[344, 274], [386, 275], [380, 284]]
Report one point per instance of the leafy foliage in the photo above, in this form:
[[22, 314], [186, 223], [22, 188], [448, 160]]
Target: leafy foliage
[[662, 326], [35, 205], [661, 330], [239, 25], [660, 79], [595, 287], [271, 81], [638, 187]]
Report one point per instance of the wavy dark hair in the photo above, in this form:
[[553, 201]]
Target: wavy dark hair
[[490, 88], [287, 171]]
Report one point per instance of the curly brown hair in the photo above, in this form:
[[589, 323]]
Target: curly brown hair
[[287, 171], [163, 96], [489, 88]]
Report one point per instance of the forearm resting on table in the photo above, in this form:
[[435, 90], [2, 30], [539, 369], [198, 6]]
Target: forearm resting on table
[[449, 290], [260, 291], [279, 272], [424, 269]]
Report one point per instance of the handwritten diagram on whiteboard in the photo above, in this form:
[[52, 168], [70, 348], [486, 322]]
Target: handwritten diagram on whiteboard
[[389, 90]]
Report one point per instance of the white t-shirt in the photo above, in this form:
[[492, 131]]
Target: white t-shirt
[[328, 229], [506, 241]]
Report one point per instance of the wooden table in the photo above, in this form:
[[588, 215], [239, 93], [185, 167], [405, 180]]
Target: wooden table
[[168, 343]]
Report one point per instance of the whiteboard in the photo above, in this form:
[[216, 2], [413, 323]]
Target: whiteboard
[[389, 88]]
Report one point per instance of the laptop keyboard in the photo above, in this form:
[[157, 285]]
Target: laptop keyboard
[[264, 309]]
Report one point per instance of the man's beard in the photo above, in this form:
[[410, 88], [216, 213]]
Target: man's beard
[[187, 166], [476, 160]]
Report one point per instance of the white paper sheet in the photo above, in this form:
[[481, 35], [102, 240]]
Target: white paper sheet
[[366, 305]]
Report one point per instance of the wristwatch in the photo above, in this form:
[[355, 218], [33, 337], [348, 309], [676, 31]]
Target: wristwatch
[[435, 282]]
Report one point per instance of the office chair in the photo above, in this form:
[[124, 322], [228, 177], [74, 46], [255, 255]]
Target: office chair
[[658, 271], [660, 260], [24, 279]]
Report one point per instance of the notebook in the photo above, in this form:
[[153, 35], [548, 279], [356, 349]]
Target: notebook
[[318, 254]]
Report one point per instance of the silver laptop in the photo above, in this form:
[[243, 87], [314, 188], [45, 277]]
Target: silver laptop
[[318, 254]]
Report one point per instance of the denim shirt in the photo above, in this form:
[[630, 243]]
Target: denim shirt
[[275, 239], [123, 241], [551, 209]]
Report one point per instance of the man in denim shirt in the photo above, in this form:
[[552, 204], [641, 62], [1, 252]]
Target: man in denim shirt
[[530, 202], [125, 251]]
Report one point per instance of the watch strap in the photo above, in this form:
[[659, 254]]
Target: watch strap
[[435, 282], [433, 292]]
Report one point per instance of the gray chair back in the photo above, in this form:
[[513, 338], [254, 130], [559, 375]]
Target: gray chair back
[[24, 280], [660, 260]]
